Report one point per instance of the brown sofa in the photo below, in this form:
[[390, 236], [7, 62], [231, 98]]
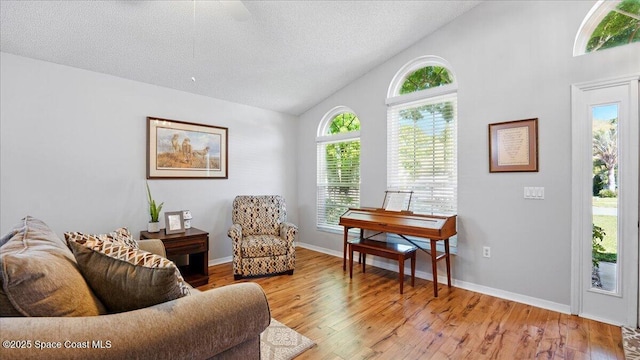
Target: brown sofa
[[222, 323]]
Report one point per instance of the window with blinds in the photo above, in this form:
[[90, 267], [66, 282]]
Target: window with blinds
[[422, 153], [422, 137], [338, 174]]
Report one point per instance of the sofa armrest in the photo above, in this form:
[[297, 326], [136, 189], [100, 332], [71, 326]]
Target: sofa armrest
[[193, 327], [155, 246]]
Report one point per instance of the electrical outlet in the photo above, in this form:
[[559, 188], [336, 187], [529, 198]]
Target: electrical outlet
[[486, 252]]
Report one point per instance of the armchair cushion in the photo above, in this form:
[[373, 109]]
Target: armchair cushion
[[140, 278], [263, 245]]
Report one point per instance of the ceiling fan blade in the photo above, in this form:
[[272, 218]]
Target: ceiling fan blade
[[237, 10]]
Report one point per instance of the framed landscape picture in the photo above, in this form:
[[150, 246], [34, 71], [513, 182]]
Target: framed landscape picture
[[183, 150], [513, 146]]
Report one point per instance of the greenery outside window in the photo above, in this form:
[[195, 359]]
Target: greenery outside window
[[425, 78], [338, 174], [609, 24]]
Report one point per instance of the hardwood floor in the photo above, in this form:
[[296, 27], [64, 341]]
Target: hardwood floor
[[367, 318]]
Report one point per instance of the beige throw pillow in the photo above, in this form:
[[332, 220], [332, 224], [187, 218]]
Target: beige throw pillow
[[125, 278], [40, 276]]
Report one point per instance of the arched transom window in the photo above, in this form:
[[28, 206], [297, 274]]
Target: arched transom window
[[426, 78], [609, 24], [338, 174]]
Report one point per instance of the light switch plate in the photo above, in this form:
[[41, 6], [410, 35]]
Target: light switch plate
[[534, 192]]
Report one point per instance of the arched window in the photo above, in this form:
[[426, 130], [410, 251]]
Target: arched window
[[608, 24], [422, 135], [338, 182], [425, 78]]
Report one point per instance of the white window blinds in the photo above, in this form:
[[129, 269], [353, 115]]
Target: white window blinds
[[422, 152], [338, 183]]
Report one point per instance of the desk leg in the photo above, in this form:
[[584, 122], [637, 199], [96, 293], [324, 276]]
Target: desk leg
[[362, 258], [350, 262], [434, 267], [401, 271], [448, 261], [344, 249], [413, 268]]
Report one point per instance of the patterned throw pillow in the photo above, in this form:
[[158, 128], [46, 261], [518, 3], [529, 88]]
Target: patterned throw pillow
[[123, 235], [125, 278]]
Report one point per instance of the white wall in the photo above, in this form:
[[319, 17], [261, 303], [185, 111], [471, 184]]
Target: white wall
[[513, 60], [73, 147]]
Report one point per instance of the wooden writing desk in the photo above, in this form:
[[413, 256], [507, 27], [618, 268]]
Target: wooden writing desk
[[404, 223]]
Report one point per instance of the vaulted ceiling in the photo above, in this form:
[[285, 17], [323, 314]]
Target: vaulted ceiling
[[285, 55]]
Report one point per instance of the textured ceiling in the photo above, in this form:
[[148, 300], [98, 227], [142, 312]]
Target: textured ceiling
[[287, 56]]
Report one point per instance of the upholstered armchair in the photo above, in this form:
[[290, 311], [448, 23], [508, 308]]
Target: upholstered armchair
[[263, 240]]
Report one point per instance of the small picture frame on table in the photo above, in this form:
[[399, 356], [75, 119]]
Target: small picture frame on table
[[174, 222]]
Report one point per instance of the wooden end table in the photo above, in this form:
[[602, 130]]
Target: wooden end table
[[194, 243]]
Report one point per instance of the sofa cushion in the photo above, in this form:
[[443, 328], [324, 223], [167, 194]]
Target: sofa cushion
[[125, 278], [40, 276]]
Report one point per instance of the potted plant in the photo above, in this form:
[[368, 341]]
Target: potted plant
[[154, 211]]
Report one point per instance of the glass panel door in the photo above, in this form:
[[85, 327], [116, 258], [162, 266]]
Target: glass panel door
[[604, 242], [605, 146]]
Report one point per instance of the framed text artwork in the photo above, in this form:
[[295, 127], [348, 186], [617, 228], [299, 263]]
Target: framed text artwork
[[183, 150], [513, 146]]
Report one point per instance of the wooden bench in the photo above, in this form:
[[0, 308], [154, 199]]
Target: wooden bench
[[393, 251]]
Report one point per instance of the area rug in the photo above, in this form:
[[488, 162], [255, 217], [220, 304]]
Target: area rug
[[631, 343], [279, 342]]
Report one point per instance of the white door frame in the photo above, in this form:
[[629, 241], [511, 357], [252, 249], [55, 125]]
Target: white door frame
[[580, 227]]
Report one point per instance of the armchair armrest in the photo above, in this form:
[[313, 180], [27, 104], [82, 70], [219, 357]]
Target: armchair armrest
[[235, 232], [288, 231], [193, 327]]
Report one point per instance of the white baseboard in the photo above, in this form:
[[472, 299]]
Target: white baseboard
[[219, 261], [599, 319], [507, 295], [320, 249]]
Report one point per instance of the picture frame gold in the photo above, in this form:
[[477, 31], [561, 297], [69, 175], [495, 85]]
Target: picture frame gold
[[513, 146], [173, 222], [183, 150]]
